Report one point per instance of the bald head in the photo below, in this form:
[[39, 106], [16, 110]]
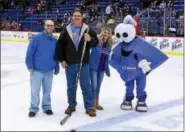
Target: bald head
[[49, 22], [48, 26]]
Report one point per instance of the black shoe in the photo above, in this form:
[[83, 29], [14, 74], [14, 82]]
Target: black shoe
[[126, 105], [32, 114], [141, 107], [49, 112]]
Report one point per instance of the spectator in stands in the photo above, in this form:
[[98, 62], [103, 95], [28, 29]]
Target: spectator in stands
[[38, 7], [153, 3], [13, 25], [39, 22], [180, 28], [67, 17], [162, 5], [68, 51], [111, 20], [12, 4], [44, 5], [7, 25], [170, 4], [108, 11], [125, 10], [41, 64], [121, 3], [59, 25]]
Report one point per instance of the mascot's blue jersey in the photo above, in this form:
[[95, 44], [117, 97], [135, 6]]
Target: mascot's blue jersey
[[126, 56]]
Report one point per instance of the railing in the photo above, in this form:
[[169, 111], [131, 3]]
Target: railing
[[159, 21]]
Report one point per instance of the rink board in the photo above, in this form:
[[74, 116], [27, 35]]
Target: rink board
[[169, 45]]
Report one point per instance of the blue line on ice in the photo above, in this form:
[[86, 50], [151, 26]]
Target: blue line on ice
[[130, 116]]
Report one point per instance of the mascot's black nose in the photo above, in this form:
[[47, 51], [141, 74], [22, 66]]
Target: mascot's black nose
[[125, 35], [118, 35]]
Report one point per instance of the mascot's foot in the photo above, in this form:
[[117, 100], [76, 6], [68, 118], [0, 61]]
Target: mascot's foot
[[141, 107], [126, 105]]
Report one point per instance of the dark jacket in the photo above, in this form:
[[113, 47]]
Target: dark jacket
[[66, 51]]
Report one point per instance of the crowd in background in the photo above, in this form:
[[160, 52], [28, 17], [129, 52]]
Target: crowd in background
[[15, 4], [114, 13], [12, 25]]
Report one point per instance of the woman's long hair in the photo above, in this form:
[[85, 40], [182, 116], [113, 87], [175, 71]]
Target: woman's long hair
[[110, 41]]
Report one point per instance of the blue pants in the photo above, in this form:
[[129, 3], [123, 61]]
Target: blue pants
[[71, 73], [140, 88], [36, 79], [96, 81]]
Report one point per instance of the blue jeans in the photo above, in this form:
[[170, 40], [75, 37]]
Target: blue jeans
[[96, 81], [36, 79], [71, 73], [140, 88]]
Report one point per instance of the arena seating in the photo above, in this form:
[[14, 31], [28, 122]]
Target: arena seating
[[30, 21]]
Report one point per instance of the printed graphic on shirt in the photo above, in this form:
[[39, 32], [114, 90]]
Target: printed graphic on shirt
[[75, 35], [75, 38], [104, 51]]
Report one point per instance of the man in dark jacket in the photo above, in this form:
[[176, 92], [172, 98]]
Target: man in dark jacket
[[69, 51]]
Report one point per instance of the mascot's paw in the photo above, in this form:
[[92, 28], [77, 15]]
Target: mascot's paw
[[145, 66]]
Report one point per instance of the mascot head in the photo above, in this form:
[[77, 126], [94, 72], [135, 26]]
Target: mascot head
[[125, 32]]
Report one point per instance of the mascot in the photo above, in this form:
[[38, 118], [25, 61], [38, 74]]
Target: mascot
[[134, 59]]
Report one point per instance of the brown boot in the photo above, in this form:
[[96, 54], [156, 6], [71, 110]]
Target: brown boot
[[98, 107], [91, 112], [69, 110], [94, 105]]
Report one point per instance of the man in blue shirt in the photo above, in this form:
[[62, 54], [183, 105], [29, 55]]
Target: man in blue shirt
[[41, 63]]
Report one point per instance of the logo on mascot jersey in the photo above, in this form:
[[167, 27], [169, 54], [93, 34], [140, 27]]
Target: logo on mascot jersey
[[129, 68], [176, 44], [164, 44], [154, 41]]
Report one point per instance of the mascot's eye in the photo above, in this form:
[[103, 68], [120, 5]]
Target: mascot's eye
[[125, 35], [118, 35]]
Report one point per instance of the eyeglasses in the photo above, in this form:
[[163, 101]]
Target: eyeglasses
[[77, 16], [49, 25]]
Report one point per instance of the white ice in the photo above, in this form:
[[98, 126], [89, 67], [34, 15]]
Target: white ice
[[164, 88]]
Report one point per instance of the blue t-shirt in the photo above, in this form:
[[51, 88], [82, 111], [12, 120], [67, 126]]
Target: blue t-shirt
[[103, 58], [75, 35]]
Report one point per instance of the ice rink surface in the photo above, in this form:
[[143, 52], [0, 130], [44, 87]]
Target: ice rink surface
[[164, 89]]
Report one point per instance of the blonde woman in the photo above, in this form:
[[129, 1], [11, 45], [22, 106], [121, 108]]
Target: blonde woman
[[99, 63]]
